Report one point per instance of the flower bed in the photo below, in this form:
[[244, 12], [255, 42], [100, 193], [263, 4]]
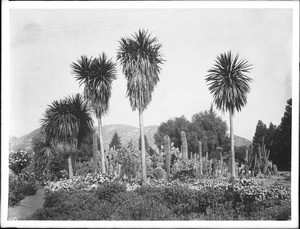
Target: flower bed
[[101, 197]]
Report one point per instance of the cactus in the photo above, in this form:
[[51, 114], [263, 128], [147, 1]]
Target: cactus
[[167, 152], [221, 164], [184, 149], [96, 152], [264, 157], [200, 159]]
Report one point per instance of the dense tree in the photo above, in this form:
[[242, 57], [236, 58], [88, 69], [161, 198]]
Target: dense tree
[[140, 57], [259, 135], [284, 139], [205, 126], [211, 126], [229, 85], [97, 75], [172, 128], [66, 123], [115, 142]]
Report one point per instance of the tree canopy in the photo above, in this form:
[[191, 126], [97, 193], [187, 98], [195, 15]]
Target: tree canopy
[[115, 142], [205, 126]]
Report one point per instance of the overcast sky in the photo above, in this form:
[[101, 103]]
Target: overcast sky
[[44, 43]]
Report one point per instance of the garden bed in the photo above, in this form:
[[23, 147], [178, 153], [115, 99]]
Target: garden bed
[[99, 197]]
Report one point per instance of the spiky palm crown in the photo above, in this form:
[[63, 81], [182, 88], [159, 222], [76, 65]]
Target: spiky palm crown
[[67, 121], [97, 75], [140, 58], [228, 83]]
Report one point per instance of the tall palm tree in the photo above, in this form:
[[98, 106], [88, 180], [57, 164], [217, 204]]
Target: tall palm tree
[[140, 57], [66, 123], [229, 85], [97, 75]]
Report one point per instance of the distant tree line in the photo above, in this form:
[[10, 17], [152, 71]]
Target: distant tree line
[[277, 139]]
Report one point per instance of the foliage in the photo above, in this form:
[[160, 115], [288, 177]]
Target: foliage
[[131, 206], [19, 187], [97, 75], [211, 199], [140, 58], [19, 160], [282, 157], [84, 168], [277, 139], [205, 126], [260, 132], [115, 142], [108, 189]]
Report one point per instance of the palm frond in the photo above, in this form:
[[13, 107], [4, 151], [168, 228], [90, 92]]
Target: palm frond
[[97, 75], [140, 57], [228, 82], [67, 121]]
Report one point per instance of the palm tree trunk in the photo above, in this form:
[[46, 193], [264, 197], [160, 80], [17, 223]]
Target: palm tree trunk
[[70, 167], [102, 156], [232, 144], [143, 148]]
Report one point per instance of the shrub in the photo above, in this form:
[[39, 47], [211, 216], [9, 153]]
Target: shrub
[[184, 175], [83, 168], [73, 205], [19, 160], [19, 188], [132, 206], [108, 189], [159, 173]]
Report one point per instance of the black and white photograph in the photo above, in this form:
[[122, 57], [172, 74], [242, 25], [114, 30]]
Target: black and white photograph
[[159, 114]]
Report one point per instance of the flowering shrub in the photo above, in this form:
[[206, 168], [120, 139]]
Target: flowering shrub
[[19, 160], [99, 196], [79, 182]]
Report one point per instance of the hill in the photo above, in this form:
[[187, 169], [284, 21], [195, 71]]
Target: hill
[[125, 132], [239, 141]]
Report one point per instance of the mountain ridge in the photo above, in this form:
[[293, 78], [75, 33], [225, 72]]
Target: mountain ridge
[[125, 132]]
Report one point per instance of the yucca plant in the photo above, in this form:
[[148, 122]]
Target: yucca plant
[[229, 84], [140, 57], [97, 75], [66, 123]]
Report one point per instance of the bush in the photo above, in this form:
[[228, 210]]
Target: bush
[[20, 187], [19, 160], [108, 189], [184, 175], [132, 206], [83, 168], [72, 205], [159, 173], [165, 200]]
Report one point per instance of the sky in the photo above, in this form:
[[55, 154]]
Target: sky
[[45, 42]]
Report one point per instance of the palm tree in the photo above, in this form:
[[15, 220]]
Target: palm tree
[[140, 57], [97, 75], [66, 123], [229, 85]]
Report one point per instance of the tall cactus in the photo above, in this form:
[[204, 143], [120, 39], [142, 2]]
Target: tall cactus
[[184, 149], [200, 158], [167, 152], [96, 152]]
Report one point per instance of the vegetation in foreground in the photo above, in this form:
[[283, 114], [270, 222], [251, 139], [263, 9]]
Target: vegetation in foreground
[[100, 197]]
